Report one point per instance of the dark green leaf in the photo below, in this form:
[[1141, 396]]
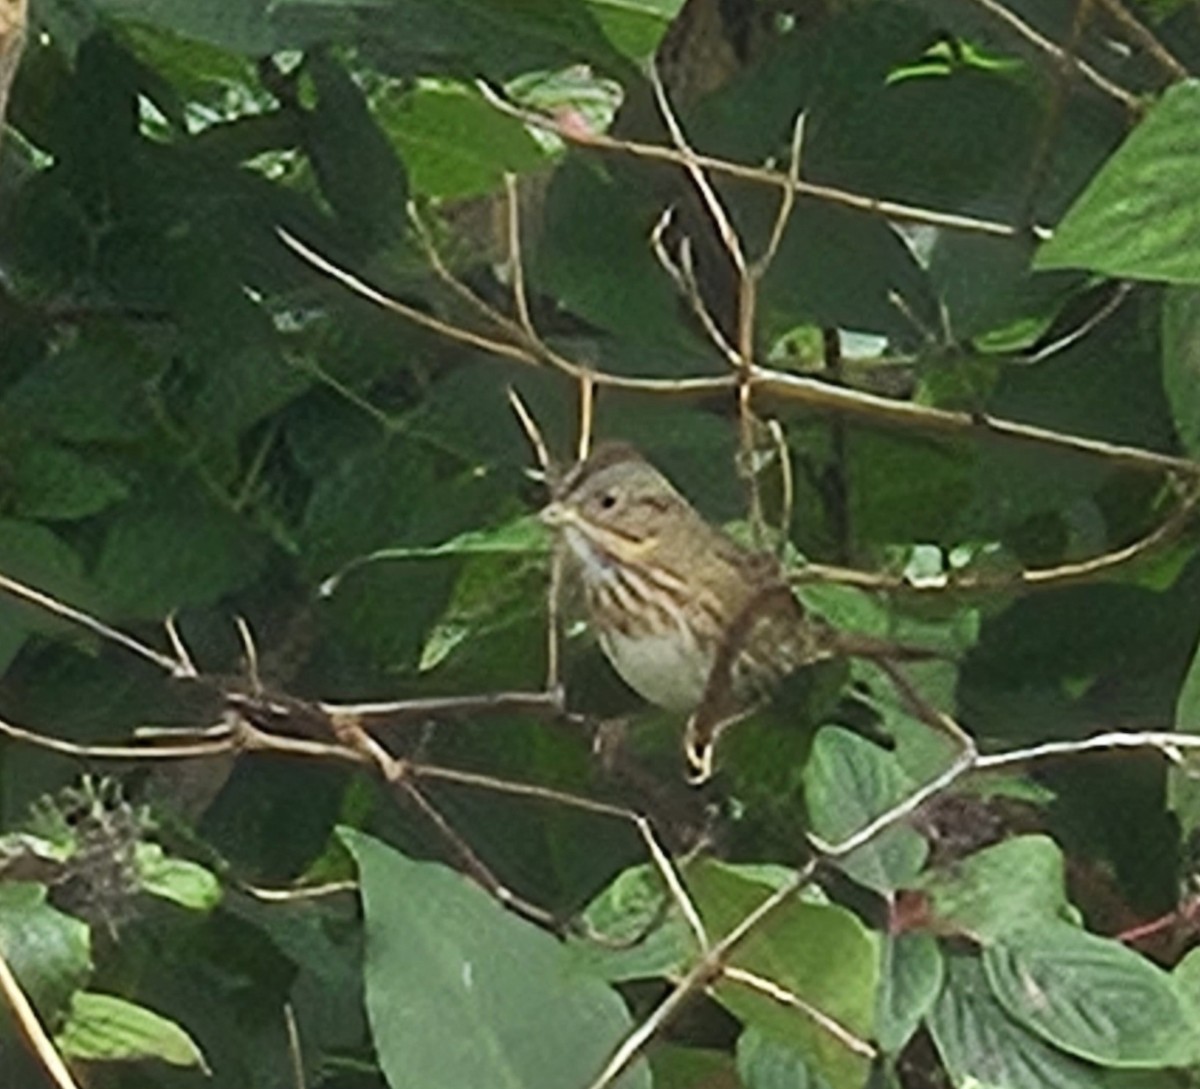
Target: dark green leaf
[[360, 174], [183, 549], [1181, 362], [32, 554], [56, 483]]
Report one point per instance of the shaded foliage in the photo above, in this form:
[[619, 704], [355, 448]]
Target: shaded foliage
[[194, 421]]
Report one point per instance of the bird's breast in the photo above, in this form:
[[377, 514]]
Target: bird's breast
[[667, 668]]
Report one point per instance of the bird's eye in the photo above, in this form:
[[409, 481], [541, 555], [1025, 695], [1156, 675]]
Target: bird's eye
[[608, 500]]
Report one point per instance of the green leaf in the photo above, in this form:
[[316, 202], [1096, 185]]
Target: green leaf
[[641, 941], [848, 782], [1093, 997], [1181, 362], [910, 980], [635, 27], [678, 1066], [1000, 889], [764, 1062], [175, 549], [185, 883], [461, 992], [1187, 976], [982, 1047], [92, 391], [244, 27], [520, 537], [1183, 790], [1140, 216], [454, 144], [818, 953], [359, 171], [49, 952], [104, 1028], [594, 259], [459, 37], [55, 482], [33, 554]]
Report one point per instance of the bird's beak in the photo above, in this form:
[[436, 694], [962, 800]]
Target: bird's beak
[[555, 514]]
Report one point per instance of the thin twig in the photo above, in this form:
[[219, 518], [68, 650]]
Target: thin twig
[[533, 433], [810, 392], [1110, 306], [473, 865], [699, 976], [186, 665], [587, 413], [1039, 41], [1170, 744], [32, 1029], [821, 396], [418, 317], [787, 201], [772, 990], [175, 667], [1044, 578], [888, 209], [250, 650], [114, 752], [786, 484], [294, 1051], [1169, 63], [298, 893], [516, 264], [545, 704], [683, 276], [691, 163]]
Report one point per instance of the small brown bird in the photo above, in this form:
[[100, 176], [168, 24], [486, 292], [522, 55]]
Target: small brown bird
[[689, 618]]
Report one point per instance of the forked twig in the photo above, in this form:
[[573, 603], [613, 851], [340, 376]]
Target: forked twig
[[1169, 63], [1101, 82], [907, 213]]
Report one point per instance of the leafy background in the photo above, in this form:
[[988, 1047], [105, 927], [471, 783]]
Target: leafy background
[[194, 421]]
